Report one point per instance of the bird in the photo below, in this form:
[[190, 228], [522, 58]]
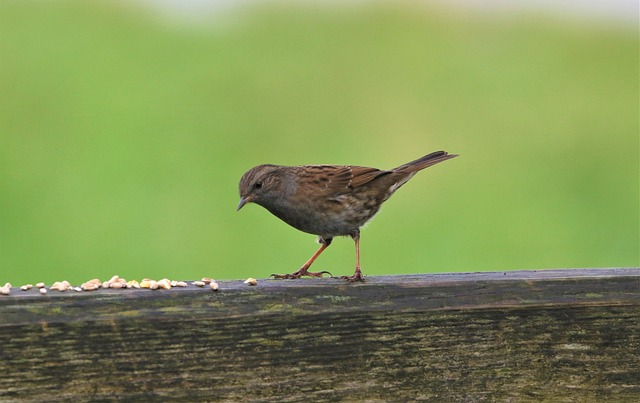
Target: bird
[[327, 200]]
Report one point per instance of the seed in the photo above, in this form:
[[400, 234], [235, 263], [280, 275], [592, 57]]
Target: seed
[[153, 285], [8, 285], [199, 283], [116, 285], [207, 280], [214, 286], [146, 283], [78, 289], [165, 283], [26, 287], [106, 284], [251, 281], [114, 279], [133, 284], [180, 284], [5, 290], [59, 286], [89, 286], [40, 285], [43, 291]]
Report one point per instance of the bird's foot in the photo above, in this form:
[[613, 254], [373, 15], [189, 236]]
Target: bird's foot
[[357, 276], [300, 273]]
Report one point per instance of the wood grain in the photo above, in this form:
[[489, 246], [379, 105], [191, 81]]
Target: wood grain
[[555, 335]]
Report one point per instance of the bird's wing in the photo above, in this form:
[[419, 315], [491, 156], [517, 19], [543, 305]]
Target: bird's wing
[[337, 179], [363, 175]]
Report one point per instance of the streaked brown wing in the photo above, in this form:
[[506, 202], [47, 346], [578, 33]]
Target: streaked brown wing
[[363, 175], [337, 179]]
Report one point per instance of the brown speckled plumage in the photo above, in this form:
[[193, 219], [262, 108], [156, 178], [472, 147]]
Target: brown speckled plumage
[[327, 200]]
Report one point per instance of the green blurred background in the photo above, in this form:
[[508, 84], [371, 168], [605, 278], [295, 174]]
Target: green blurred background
[[124, 133]]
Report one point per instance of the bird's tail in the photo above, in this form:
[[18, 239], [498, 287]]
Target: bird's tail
[[425, 162]]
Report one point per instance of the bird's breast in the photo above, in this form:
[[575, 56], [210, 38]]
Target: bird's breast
[[326, 217]]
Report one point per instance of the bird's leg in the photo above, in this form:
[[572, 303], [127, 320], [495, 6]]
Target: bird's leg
[[304, 270], [357, 276]]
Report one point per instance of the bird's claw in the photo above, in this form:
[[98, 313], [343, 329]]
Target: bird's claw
[[354, 278], [299, 274], [285, 276]]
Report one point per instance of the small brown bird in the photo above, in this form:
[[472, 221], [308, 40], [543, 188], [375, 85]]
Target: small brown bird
[[327, 200]]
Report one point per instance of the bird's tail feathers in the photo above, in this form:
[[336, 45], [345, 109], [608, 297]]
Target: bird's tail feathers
[[425, 162]]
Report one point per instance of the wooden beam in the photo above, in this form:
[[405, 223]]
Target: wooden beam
[[556, 335]]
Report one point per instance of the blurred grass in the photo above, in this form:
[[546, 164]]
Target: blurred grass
[[123, 136]]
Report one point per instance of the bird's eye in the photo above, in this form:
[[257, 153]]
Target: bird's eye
[[257, 185]]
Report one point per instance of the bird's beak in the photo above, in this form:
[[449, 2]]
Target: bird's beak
[[243, 201]]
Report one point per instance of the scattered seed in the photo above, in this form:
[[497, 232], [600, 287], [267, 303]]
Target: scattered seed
[[148, 283], [117, 282], [60, 286], [90, 286], [165, 283], [6, 289], [251, 281]]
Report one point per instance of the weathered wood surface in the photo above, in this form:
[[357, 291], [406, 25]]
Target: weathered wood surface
[[556, 335]]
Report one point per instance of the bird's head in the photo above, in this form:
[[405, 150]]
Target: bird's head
[[259, 185]]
